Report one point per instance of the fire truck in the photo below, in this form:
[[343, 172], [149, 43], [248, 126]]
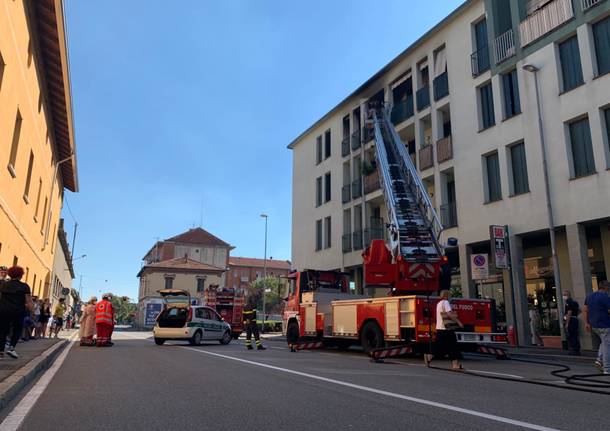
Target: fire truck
[[404, 276], [229, 303]]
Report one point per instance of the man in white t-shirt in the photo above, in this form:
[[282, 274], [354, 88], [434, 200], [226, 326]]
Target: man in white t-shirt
[[446, 342]]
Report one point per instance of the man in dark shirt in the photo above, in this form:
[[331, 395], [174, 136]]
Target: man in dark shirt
[[572, 310], [597, 317], [15, 298]]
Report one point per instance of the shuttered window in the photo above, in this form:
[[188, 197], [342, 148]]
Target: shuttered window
[[318, 191], [486, 98], [318, 235], [327, 233], [519, 169], [494, 189], [319, 150], [571, 70], [583, 162], [510, 90], [327, 187], [327, 144], [607, 115], [601, 37]]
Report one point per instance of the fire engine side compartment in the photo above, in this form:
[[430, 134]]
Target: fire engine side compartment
[[350, 316]]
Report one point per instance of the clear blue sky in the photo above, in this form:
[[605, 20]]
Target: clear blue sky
[[179, 102]]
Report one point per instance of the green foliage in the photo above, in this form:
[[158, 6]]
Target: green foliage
[[455, 292], [124, 310], [276, 289]]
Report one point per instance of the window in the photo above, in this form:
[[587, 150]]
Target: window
[[318, 191], [480, 58], [582, 149], [520, 183], [44, 215], [327, 233], [327, 187], [28, 179], [510, 90], [318, 150], [1, 69], [601, 38], [200, 284], [199, 312], [486, 100], [169, 282], [492, 167], [15, 145], [318, 235], [607, 120], [327, 144], [571, 71]]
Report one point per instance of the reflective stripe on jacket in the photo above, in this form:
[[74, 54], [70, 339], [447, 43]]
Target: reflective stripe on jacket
[[104, 314]]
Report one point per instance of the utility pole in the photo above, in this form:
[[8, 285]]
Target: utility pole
[[264, 271]]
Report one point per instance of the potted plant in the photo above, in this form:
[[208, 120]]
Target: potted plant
[[369, 168]]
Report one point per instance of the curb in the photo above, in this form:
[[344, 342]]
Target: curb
[[12, 385]]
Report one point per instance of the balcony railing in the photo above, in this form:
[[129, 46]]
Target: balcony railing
[[479, 61], [356, 140], [504, 46], [403, 110], [441, 86], [345, 146], [449, 215], [545, 19], [346, 193], [347, 242], [371, 183], [356, 188], [423, 97], [357, 240], [368, 134], [586, 4], [444, 149], [376, 230], [426, 159]]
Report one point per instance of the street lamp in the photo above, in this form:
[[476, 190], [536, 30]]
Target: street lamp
[[266, 217], [549, 206]]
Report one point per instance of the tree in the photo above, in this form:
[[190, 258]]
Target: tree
[[124, 310], [273, 298]]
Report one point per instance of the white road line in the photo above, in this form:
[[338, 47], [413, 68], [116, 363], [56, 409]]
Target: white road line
[[514, 376], [13, 421], [386, 393]]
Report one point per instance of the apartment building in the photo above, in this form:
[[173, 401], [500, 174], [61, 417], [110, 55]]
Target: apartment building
[[245, 270], [464, 101], [37, 149]]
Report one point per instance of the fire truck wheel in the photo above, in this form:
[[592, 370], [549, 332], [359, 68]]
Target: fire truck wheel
[[371, 337], [196, 339], [226, 338], [292, 333]]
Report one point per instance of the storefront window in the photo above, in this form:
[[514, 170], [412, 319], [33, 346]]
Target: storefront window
[[493, 289], [542, 296]]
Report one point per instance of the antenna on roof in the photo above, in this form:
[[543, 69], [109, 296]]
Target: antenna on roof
[[201, 213]]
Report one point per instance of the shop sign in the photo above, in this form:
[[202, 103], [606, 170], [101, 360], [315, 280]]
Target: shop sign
[[498, 241], [479, 264]]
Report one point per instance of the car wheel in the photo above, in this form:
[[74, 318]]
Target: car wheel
[[371, 337], [292, 333], [196, 339], [226, 338], [159, 341]]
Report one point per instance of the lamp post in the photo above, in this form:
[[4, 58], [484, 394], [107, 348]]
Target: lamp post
[[549, 206], [266, 217]]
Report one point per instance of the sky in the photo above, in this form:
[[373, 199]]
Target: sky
[[183, 110]]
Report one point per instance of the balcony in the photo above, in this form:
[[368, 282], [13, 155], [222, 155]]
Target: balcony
[[545, 19], [357, 240], [368, 134], [345, 146], [586, 4], [403, 110], [444, 149], [504, 46], [441, 86], [423, 97], [449, 215], [426, 159], [356, 188], [371, 183], [479, 61], [347, 242], [356, 140], [346, 194]]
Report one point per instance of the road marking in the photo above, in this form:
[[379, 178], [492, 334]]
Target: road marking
[[514, 376], [386, 393], [13, 421]]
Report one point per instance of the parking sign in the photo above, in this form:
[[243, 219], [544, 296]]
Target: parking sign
[[479, 264]]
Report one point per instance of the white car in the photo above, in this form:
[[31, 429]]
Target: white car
[[180, 320]]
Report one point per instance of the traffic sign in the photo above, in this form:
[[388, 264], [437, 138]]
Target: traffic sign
[[479, 264], [498, 242]]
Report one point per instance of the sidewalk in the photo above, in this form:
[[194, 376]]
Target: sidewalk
[[585, 355]]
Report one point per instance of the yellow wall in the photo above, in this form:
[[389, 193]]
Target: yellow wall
[[21, 233]]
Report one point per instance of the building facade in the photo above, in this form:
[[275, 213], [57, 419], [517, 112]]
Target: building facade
[[63, 271], [245, 270], [463, 100], [37, 156]]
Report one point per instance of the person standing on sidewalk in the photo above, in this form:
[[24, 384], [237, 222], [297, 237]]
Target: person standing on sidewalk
[[15, 301], [58, 316], [104, 321], [87, 323], [3, 273], [597, 318], [249, 314], [572, 310], [45, 315]]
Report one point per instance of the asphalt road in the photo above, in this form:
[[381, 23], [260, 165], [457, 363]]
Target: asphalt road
[[137, 385]]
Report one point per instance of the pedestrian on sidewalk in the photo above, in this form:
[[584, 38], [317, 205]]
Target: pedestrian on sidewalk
[[15, 301], [3, 274], [249, 315], [45, 315], [597, 318], [572, 324], [58, 316], [36, 317], [446, 341], [87, 323], [104, 321]]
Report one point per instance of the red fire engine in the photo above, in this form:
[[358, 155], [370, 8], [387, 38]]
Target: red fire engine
[[411, 269], [230, 305]]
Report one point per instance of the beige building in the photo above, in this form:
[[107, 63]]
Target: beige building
[[63, 271], [466, 109]]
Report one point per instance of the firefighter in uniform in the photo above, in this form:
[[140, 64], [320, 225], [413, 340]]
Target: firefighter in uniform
[[104, 321], [251, 326]]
